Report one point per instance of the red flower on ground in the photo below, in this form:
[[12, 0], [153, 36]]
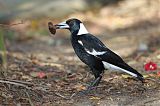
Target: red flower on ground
[[151, 66]]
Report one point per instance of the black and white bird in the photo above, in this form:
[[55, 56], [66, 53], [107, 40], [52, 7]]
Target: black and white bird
[[94, 53]]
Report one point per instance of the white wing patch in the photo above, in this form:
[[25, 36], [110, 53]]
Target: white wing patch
[[80, 42], [113, 67], [95, 53], [82, 30]]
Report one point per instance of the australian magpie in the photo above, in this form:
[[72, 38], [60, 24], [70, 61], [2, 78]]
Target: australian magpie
[[93, 52]]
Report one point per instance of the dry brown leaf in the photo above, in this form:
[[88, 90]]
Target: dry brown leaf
[[94, 98]]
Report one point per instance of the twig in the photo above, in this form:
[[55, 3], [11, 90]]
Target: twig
[[154, 80], [150, 101], [29, 99], [5, 25], [17, 81], [58, 94], [14, 83], [73, 95]]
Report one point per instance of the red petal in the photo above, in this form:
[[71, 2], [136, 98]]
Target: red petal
[[151, 66], [41, 74]]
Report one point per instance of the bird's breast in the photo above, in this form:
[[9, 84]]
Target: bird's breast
[[85, 57], [80, 52]]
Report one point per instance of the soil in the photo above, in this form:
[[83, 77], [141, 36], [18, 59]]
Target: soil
[[66, 76]]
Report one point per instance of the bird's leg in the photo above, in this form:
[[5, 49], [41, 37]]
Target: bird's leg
[[96, 81], [92, 85]]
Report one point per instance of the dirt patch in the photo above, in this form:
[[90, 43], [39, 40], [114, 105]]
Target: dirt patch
[[65, 76]]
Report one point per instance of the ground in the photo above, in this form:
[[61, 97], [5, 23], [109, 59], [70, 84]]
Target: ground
[[66, 75]]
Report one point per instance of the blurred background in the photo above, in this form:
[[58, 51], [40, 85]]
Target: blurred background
[[131, 28], [122, 24]]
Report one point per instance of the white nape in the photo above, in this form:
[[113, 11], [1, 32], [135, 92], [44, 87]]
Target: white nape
[[82, 30], [113, 67], [80, 42], [95, 53]]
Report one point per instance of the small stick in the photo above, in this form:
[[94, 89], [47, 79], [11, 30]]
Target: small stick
[[14, 83], [150, 101], [154, 80], [58, 94], [73, 95], [29, 99], [17, 81]]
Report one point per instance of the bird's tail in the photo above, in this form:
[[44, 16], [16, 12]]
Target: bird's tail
[[132, 71], [140, 77]]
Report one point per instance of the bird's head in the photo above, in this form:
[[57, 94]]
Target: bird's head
[[74, 25]]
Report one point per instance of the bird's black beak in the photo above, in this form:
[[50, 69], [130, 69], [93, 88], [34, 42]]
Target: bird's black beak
[[62, 25]]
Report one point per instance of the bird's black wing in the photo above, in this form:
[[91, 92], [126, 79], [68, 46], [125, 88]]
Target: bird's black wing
[[90, 43], [95, 47]]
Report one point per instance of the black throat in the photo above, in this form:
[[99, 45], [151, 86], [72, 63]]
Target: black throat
[[74, 29], [74, 37]]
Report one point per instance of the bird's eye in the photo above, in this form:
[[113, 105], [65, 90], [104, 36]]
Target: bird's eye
[[71, 23]]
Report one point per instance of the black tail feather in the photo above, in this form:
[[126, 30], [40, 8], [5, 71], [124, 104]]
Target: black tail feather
[[141, 78], [129, 68]]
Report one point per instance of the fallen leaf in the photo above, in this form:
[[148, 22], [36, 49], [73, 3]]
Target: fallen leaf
[[158, 56], [94, 98], [125, 76], [79, 87], [145, 76], [26, 77], [158, 73], [152, 75]]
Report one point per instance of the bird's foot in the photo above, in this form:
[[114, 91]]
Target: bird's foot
[[86, 91], [92, 86]]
